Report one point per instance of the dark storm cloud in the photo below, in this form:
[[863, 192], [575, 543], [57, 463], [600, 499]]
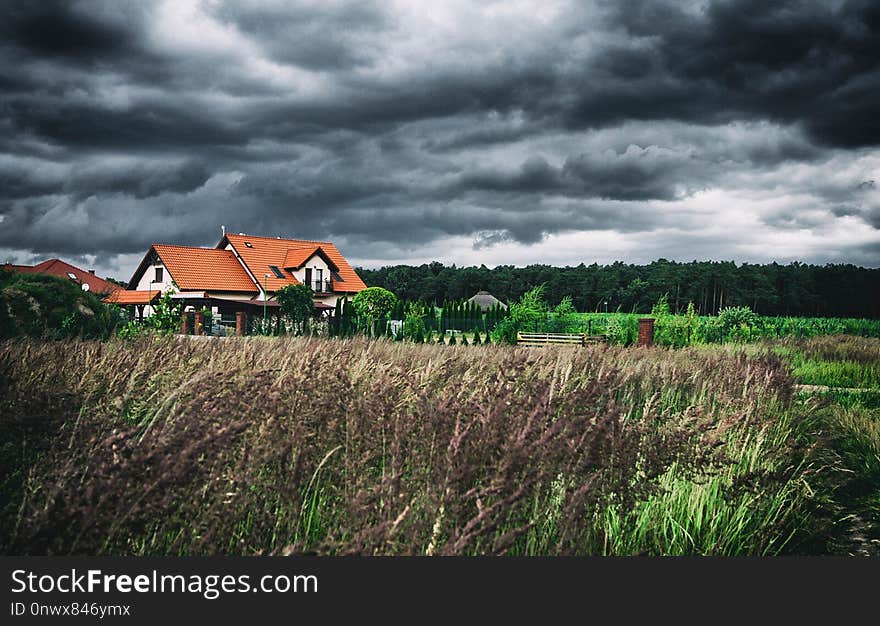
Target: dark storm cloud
[[122, 123], [140, 181], [793, 61], [490, 225], [634, 174], [61, 30], [320, 36], [29, 178], [145, 126]]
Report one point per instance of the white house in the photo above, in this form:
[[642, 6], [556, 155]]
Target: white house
[[242, 272]]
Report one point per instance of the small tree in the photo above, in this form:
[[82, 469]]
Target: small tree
[[166, 314], [521, 315], [564, 315], [373, 304], [414, 324], [297, 304], [662, 307]]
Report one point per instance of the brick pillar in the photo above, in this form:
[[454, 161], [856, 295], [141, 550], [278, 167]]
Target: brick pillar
[[646, 331], [240, 323], [200, 323], [184, 323]]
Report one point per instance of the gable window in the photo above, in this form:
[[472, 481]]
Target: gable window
[[276, 271], [159, 275], [309, 277]]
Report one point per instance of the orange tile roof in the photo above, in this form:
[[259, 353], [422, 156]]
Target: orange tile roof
[[57, 267], [131, 296], [297, 256], [204, 268], [266, 251]]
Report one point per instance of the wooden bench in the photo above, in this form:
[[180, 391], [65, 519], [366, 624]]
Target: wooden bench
[[545, 339]]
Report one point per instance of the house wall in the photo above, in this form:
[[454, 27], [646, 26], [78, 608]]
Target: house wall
[[145, 285], [316, 262], [331, 300]]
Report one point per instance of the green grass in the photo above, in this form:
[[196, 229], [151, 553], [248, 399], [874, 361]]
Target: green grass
[[836, 373]]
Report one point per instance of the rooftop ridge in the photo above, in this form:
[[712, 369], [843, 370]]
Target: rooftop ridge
[[176, 245], [315, 241]]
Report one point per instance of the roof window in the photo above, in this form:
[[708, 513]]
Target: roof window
[[336, 277], [71, 275], [248, 244], [276, 271]]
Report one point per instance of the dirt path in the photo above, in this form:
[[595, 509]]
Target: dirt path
[[859, 539]]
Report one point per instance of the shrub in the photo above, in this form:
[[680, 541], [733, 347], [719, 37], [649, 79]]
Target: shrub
[[40, 305], [521, 315], [736, 322]]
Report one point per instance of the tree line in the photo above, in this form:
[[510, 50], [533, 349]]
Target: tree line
[[797, 289]]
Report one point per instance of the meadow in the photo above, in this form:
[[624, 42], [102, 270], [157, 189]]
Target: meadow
[[177, 446]]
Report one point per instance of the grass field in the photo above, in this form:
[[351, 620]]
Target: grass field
[[288, 446]]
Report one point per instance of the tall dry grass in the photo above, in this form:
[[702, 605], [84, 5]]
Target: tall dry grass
[[278, 446]]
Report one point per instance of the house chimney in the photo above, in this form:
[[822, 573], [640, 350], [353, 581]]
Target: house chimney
[[223, 229], [92, 272]]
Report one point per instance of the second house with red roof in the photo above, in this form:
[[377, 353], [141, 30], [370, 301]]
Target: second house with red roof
[[241, 273]]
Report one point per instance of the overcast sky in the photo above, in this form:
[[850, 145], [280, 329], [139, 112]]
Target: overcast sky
[[509, 132]]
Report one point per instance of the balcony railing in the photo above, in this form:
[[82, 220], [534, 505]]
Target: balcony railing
[[320, 286]]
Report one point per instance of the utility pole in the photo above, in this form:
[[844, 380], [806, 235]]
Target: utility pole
[[265, 297]]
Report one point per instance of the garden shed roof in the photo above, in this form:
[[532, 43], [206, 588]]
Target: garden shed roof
[[486, 300]]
